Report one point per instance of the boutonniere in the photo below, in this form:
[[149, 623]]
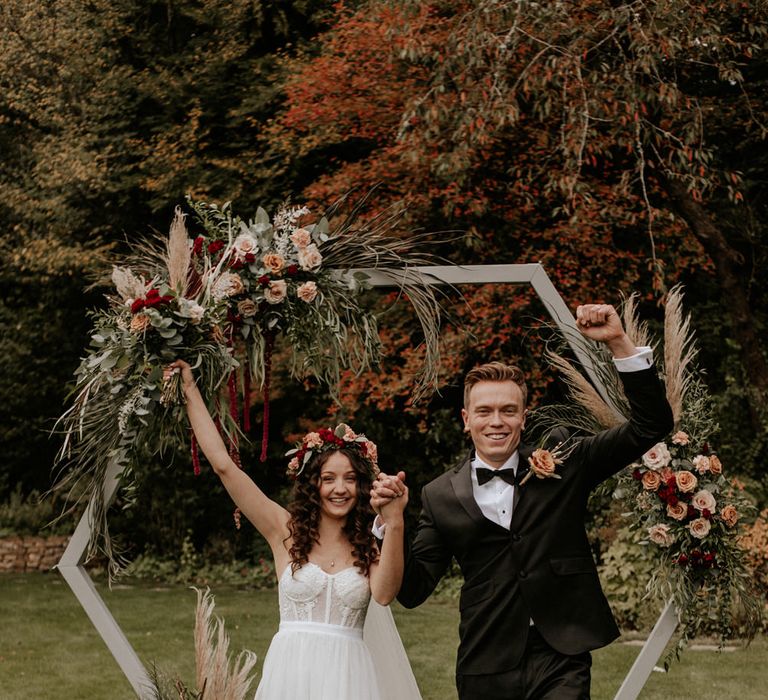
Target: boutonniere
[[544, 463]]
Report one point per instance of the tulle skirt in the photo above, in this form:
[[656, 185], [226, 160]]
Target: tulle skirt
[[315, 661]]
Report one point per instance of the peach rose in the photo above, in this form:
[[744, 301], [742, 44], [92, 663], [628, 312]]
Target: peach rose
[[247, 308], [686, 481], [666, 473], [715, 465], [701, 464], [543, 463], [349, 434], [651, 480], [293, 465], [301, 238], [660, 535], [699, 528], [273, 262], [680, 438], [657, 457], [310, 257], [729, 515], [704, 500], [307, 292], [677, 511], [312, 440], [276, 292], [139, 323]]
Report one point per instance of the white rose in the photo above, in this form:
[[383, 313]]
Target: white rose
[[310, 257], [657, 457]]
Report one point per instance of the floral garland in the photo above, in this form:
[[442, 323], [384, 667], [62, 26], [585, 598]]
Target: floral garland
[[325, 439], [219, 302]]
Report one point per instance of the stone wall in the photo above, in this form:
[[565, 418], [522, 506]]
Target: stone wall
[[29, 553]]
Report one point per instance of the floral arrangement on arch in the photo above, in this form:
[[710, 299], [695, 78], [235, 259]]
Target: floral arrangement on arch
[[678, 497], [219, 301]]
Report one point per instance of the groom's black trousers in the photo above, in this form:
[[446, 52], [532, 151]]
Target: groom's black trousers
[[542, 674]]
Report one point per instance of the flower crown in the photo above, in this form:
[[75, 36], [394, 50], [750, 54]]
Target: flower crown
[[327, 439]]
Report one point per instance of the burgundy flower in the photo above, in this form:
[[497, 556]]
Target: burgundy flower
[[197, 246], [215, 246], [250, 257], [264, 280], [705, 513], [137, 306], [636, 475], [682, 559], [692, 512], [292, 270]]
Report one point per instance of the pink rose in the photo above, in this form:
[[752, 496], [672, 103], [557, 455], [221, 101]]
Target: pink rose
[[686, 481], [244, 244], [273, 262], [699, 528], [651, 480], [680, 438], [715, 465], [307, 292], [701, 464], [730, 515], [657, 457], [349, 434], [293, 465], [301, 238], [276, 291], [312, 440], [677, 511], [660, 535], [309, 257], [704, 500], [372, 452]]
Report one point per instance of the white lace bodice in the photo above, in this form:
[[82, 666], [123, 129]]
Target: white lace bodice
[[312, 595]]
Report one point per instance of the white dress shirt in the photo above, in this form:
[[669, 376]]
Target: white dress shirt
[[495, 497]]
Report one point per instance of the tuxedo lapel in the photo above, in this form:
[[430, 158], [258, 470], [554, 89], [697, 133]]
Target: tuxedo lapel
[[461, 481], [523, 467]]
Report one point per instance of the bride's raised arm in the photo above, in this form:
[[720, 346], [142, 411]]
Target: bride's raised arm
[[268, 517]]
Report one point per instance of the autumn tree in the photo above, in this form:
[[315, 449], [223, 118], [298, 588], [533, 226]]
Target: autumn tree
[[621, 144]]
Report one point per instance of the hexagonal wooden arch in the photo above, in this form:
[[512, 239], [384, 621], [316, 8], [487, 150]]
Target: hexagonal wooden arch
[[71, 563]]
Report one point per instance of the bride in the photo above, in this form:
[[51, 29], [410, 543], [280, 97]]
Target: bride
[[328, 565]]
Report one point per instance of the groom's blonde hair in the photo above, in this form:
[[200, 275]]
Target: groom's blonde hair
[[495, 372]]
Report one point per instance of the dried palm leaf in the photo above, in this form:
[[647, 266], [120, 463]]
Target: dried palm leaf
[[178, 254], [584, 393], [679, 351]]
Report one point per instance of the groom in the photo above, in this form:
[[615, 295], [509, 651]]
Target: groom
[[531, 604]]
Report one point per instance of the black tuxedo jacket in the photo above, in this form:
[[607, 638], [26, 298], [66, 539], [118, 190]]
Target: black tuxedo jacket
[[542, 567]]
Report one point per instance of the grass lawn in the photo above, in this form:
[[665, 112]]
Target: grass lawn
[[48, 648]]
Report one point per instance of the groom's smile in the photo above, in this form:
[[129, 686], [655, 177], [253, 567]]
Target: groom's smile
[[494, 417]]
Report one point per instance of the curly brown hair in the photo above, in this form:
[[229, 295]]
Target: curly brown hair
[[304, 508]]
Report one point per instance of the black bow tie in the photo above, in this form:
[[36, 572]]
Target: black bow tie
[[485, 475]]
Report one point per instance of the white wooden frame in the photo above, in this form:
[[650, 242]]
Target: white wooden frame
[[71, 563]]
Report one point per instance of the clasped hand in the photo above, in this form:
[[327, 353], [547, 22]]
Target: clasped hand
[[389, 496]]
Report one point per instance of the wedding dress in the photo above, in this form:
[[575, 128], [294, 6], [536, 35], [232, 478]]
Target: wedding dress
[[319, 652]]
